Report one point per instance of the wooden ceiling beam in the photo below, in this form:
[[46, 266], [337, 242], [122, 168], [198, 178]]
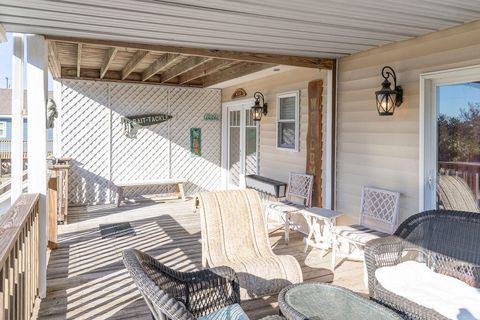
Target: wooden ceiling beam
[[116, 76], [133, 62], [160, 64], [79, 58], [53, 60], [205, 69], [236, 71], [298, 61], [183, 67], [107, 61]]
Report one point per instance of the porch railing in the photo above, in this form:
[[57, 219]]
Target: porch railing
[[6, 148], [469, 171], [19, 258]]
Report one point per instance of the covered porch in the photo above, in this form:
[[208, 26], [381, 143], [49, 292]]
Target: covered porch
[[155, 102]]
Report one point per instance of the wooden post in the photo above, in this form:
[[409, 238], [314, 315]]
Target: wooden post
[[17, 118], [52, 212], [37, 142], [314, 139]]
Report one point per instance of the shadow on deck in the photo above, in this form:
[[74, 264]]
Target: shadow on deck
[[87, 280]]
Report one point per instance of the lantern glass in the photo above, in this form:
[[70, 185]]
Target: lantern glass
[[257, 111]]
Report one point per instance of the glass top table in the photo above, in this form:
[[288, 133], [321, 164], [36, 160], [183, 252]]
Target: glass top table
[[317, 301]]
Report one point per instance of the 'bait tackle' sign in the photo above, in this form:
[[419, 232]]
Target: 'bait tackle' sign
[[132, 123]]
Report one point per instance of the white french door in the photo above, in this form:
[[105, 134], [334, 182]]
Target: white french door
[[242, 144], [450, 139]]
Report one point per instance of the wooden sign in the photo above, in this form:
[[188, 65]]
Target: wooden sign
[[196, 142], [147, 120], [314, 139]]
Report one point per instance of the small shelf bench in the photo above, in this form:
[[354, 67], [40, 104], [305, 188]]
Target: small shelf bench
[[266, 185], [121, 185]]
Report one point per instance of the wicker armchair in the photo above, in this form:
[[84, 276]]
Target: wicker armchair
[[446, 241]]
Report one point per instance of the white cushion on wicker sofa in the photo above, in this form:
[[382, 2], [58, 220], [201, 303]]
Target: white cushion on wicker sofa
[[416, 282]]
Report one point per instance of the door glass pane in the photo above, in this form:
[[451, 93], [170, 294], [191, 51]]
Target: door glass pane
[[234, 149], [250, 144], [458, 124]]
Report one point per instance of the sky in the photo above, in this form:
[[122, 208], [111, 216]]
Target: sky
[[6, 51], [452, 98]]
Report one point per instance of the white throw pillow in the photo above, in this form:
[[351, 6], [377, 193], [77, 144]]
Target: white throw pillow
[[448, 296]]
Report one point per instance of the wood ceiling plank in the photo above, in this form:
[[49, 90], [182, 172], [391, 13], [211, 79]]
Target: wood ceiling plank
[[160, 64], [54, 62], [183, 67], [109, 56], [134, 61], [79, 58], [289, 60], [205, 69], [236, 71]]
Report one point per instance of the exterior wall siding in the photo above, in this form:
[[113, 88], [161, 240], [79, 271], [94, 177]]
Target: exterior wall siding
[[92, 135], [275, 163], [384, 151]]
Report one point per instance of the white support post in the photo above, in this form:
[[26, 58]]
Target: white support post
[[37, 85], [17, 117]]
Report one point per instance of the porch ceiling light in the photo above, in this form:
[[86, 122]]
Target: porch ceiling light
[[388, 99], [259, 108]]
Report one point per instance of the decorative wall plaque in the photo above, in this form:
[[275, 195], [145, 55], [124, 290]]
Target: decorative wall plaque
[[238, 93], [196, 142], [211, 117], [131, 124]]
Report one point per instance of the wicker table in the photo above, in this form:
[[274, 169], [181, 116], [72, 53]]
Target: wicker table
[[316, 301]]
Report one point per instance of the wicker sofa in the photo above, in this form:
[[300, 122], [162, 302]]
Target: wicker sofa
[[440, 244]]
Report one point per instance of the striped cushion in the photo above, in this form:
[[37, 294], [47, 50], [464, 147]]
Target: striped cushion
[[358, 233]]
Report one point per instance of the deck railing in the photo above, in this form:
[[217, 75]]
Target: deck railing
[[469, 171], [19, 258], [6, 148]]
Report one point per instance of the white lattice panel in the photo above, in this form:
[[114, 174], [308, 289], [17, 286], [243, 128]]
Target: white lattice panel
[[188, 107], [92, 135], [144, 157], [85, 138]]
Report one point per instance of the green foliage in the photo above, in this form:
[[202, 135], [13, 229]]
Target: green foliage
[[459, 137]]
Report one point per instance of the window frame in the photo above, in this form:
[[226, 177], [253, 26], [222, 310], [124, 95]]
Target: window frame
[[4, 124], [296, 95]]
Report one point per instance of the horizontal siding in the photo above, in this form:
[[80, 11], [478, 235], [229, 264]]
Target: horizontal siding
[[384, 151], [275, 163]]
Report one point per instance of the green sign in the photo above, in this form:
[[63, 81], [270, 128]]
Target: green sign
[[196, 142], [211, 117]]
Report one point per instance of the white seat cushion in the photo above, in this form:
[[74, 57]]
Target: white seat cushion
[[448, 296], [358, 233]]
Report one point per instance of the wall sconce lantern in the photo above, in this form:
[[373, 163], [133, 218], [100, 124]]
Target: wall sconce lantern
[[259, 109], [388, 99]]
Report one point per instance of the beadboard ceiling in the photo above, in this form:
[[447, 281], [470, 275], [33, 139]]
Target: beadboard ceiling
[[317, 28]]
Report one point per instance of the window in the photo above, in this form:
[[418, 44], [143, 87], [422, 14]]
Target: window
[[287, 121], [3, 129]]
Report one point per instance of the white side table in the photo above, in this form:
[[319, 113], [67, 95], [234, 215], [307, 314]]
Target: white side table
[[320, 221]]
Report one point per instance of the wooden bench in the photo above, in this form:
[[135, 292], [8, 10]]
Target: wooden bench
[[121, 185]]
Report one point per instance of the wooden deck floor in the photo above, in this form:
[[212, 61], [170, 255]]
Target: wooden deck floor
[[87, 279]]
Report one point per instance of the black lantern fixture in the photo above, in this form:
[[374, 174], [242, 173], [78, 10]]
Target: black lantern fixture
[[259, 109], [388, 99]]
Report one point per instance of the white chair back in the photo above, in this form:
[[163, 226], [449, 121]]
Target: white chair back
[[379, 209], [300, 186]]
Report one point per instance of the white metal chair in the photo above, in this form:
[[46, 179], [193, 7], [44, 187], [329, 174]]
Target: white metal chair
[[378, 218], [298, 196]]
